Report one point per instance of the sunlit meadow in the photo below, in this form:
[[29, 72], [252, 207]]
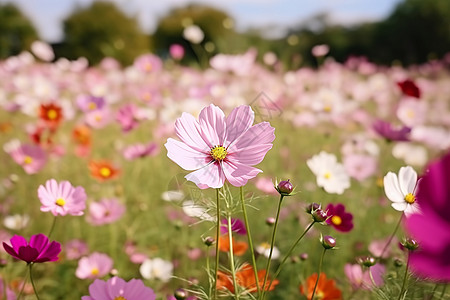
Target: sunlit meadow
[[95, 159]]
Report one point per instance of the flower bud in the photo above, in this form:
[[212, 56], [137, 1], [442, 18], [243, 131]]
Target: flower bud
[[270, 221], [319, 215], [410, 244], [367, 261], [180, 294], [398, 262], [304, 256], [209, 241], [312, 207], [285, 187], [328, 242], [295, 259]]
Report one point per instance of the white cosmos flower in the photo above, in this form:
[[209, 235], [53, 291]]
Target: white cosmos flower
[[196, 211], [330, 175], [193, 34], [400, 190], [264, 249], [157, 268], [170, 196], [16, 222]]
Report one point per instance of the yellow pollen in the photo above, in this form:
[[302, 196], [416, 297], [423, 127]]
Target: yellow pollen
[[92, 106], [98, 118], [147, 97], [119, 298], [336, 220], [218, 153], [95, 271], [327, 108], [410, 198], [327, 175], [52, 114], [105, 172], [27, 160], [411, 114], [148, 67], [60, 202], [265, 245]]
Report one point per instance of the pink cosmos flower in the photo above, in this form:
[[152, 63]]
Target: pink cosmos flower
[[117, 288], [265, 185], [176, 51], [62, 198], [75, 249], [89, 103], [135, 151], [148, 63], [94, 266], [127, 117], [98, 118], [32, 158], [360, 279], [360, 166], [220, 148], [105, 211]]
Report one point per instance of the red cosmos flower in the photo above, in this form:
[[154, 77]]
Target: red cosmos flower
[[340, 219], [409, 88], [51, 114], [103, 170]]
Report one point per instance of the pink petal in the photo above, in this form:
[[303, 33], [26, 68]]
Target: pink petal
[[239, 121], [188, 131], [18, 241], [238, 174], [210, 176], [186, 157], [39, 242], [251, 156], [115, 287], [97, 290], [212, 123], [259, 134]]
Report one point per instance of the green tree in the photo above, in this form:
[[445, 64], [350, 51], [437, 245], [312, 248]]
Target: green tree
[[16, 31], [102, 30]]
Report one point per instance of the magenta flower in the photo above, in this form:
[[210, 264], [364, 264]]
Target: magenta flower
[[176, 51], [237, 226], [127, 117], [94, 266], [431, 226], [38, 250], [386, 130], [32, 158], [62, 198], [360, 279], [220, 148], [117, 288], [135, 151], [340, 219], [105, 211]]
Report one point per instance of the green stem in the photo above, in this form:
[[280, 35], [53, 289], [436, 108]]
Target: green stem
[[318, 275], [404, 278], [250, 242], [371, 278], [208, 269], [52, 228], [443, 292], [23, 285], [277, 272], [271, 247], [32, 282], [233, 271], [391, 237], [216, 270]]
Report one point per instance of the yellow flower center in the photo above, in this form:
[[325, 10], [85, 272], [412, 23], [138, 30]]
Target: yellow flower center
[[327, 108], [95, 271], [148, 67], [410, 198], [336, 220], [120, 298], [52, 114], [218, 153], [98, 118], [92, 106], [147, 97], [327, 175], [60, 202], [27, 160], [105, 172], [411, 114], [265, 245]]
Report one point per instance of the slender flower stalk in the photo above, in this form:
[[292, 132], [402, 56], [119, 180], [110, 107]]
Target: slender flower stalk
[[52, 227], [392, 236], [216, 271], [208, 270], [233, 271], [250, 242], [277, 272], [30, 265], [23, 285], [404, 277], [443, 291], [272, 243], [320, 270]]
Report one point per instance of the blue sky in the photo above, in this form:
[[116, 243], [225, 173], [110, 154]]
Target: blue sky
[[276, 15]]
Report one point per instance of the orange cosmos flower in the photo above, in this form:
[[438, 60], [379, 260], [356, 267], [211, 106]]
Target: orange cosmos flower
[[51, 114], [82, 135], [239, 248], [103, 170], [326, 288], [245, 278]]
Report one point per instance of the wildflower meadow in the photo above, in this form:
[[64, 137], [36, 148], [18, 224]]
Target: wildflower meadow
[[238, 180]]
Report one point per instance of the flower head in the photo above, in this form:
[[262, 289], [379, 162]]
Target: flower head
[[62, 198], [118, 289], [220, 148], [390, 133], [409, 88], [326, 288], [340, 219], [148, 63], [95, 265], [360, 279], [32, 158], [105, 211], [89, 103], [330, 174], [38, 250], [127, 117], [176, 51], [51, 114], [237, 226], [135, 151], [74, 249], [103, 170], [431, 228], [401, 190], [157, 268]]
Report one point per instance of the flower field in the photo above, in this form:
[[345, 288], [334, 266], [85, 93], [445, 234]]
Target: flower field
[[236, 181]]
